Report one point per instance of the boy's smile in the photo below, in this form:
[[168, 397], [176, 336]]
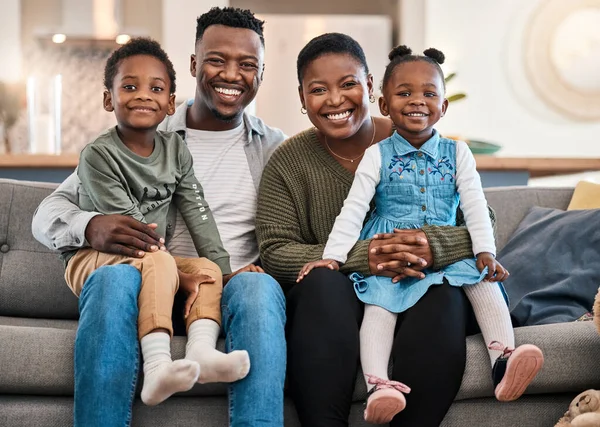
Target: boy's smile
[[141, 93], [414, 99]]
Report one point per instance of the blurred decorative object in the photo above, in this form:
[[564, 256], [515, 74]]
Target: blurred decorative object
[[482, 147], [456, 96], [58, 38], [477, 146], [11, 102], [563, 56], [44, 97], [80, 115], [122, 38]]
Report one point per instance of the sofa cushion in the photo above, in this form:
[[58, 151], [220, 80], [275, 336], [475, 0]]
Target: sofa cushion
[[554, 261], [31, 276], [39, 360], [511, 204], [585, 196], [38, 323], [51, 411], [570, 360]]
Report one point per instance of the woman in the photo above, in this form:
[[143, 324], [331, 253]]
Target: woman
[[302, 191]]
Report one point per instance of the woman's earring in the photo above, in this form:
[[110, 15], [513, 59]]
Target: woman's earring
[[372, 98], [303, 110]]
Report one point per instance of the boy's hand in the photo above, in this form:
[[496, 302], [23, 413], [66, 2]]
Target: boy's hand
[[496, 273], [189, 284], [328, 263], [249, 268]]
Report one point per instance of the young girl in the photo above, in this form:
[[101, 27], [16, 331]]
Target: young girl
[[418, 177], [133, 169]]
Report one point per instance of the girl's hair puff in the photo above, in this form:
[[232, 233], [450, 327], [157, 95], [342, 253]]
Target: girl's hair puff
[[402, 54]]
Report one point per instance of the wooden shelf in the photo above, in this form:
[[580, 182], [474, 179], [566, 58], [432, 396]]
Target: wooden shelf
[[537, 167], [39, 161]]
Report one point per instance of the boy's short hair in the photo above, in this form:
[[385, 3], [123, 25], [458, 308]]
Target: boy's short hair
[[137, 46], [230, 17]]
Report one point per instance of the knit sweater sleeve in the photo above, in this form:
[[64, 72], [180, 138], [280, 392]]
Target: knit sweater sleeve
[[283, 245], [451, 244]]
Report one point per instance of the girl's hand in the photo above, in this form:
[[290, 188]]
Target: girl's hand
[[189, 283], [496, 273], [328, 263]]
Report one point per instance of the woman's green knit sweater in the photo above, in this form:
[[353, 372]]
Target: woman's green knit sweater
[[302, 191]]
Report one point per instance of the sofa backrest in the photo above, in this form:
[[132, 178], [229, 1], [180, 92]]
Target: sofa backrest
[[31, 276], [511, 204]]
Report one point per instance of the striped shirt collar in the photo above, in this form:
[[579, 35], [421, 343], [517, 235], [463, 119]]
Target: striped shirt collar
[[177, 122]]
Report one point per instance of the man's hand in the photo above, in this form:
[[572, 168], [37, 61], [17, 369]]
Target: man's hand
[[189, 283], [327, 263], [249, 268], [496, 272], [123, 235], [401, 254]]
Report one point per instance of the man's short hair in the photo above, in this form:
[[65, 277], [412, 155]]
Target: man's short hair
[[229, 17]]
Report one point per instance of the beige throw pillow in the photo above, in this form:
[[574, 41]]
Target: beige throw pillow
[[585, 196]]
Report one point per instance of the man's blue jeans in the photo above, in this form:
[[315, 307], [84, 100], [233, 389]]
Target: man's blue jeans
[[107, 349]]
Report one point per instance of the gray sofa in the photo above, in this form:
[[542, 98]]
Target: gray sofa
[[38, 318]]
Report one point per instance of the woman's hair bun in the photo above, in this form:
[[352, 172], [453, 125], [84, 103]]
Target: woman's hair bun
[[398, 51], [435, 54]]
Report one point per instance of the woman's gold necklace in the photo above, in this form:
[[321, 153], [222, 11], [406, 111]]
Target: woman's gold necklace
[[358, 157]]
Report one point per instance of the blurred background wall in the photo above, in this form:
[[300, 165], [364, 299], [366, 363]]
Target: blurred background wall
[[530, 68]]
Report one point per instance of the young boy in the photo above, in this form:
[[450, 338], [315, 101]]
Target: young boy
[[135, 170]]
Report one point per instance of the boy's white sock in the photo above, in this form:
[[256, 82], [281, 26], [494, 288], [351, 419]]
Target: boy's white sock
[[376, 339], [162, 376], [492, 315], [214, 365]]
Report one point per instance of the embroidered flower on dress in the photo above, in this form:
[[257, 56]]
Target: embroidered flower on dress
[[400, 164], [444, 168]]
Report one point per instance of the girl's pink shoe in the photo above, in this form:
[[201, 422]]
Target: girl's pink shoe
[[384, 400], [515, 369]]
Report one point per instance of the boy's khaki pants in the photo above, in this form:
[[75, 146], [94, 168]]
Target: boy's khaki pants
[[160, 282]]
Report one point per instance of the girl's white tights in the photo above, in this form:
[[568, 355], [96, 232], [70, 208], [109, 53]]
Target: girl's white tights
[[492, 315], [377, 330], [376, 339]]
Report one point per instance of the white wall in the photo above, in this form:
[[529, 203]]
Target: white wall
[[482, 40], [10, 41], [179, 33]]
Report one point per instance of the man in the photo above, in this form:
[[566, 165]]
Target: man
[[230, 149]]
